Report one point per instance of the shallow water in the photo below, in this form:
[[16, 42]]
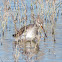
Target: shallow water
[[48, 50]]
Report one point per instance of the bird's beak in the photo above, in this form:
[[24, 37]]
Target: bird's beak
[[42, 27], [43, 30]]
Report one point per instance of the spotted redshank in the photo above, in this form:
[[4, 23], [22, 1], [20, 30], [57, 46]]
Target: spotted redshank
[[31, 32]]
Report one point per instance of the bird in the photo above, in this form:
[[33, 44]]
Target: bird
[[31, 33]]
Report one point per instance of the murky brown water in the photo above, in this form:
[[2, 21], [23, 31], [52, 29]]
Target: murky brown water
[[13, 15]]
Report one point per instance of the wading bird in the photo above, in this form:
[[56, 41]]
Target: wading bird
[[31, 32]]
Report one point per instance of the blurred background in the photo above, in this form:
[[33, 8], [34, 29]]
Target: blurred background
[[15, 14]]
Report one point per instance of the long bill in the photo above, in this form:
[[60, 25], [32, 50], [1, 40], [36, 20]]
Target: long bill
[[44, 31]]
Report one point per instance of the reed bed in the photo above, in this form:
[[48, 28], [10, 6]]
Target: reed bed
[[20, 13]]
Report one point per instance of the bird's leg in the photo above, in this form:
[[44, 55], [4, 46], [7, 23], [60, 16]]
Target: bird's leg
[[37, 39], [30, 42]]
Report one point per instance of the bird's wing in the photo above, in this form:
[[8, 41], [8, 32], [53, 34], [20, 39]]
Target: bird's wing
[[21, 31]]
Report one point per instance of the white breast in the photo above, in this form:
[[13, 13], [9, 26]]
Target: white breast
[[29, 34]]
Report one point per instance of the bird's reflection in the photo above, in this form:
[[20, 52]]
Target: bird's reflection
[[27, 50]]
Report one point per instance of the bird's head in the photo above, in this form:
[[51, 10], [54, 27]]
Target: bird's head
[[39, 23]]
